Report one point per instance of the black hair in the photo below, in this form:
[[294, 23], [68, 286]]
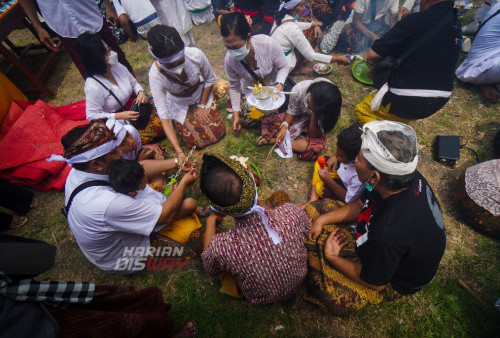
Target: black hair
[[71, 137], [234, 24], [327, 101], [349, 141], [125, 176], [92, 53], [278, 17], [165, 41], [220, 184], [404, 149]]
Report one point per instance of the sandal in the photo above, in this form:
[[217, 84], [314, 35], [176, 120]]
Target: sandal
[[204, 212], [17, 222]]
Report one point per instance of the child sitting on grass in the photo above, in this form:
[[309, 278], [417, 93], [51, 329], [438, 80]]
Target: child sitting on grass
[[339, 180], [127, 177]]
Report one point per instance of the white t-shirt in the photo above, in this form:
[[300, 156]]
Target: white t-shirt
[[106, 223], [149, 195], [383, 6], [99, 102], [349, 177], [70, 18]]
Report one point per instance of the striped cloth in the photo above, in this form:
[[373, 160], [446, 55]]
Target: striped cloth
[[264, 272]]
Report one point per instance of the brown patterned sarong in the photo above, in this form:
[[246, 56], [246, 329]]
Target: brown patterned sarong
[[474, 215], [199, 134], [329, 288]]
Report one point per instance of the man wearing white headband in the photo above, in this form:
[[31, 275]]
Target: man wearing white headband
[[109, 226], [264, 252], [399, 238]]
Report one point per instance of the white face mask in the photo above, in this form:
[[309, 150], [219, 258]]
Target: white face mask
[[113, 58], [177, 70], [240, 53]]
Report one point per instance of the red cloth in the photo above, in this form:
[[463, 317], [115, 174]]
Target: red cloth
[[33, 137]]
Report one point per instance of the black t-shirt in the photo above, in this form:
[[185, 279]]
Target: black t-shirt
[[401, 239], [431, 66]]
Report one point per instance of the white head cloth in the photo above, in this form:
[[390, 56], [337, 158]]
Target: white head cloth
[[289, 5], [118, 127], [96, 152], [168, 59], [378, 155], [275, 237]]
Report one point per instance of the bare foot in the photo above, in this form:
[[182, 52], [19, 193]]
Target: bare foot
[[490, 93], [17, 222], [261, 141], [188, 330]]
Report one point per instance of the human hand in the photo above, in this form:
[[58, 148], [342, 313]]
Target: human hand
[[215, 219], [190, 177], [335, 243], [127, 115], [141, 98], [403, 11], [112, 17], [315, 231], [188, 167], [281, 134], [145, 154], [331, 164], [279, 86], [45, 38], [374, 37], [317, 31], [173, 187], [181, 157], [236, 122], [343, 59], [324, 175], [201, 114]]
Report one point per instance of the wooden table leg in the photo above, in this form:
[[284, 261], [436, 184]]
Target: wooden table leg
[[12, 58]]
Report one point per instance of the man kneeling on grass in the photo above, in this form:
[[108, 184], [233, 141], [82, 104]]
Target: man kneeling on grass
[[112, 229], [264, 252], [399, 239]]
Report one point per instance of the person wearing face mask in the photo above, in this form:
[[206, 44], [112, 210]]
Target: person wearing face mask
[[104, 70], [249, 60], [313, 111], [399, 239], [181, 80], [289, 33]]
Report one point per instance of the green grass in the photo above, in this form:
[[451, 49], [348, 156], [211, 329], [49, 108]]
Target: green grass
[[443, 309]]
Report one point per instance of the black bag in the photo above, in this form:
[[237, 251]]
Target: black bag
[[145, 110], [383, 70]]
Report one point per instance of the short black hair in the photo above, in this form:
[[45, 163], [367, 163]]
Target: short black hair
[[220, 184], [404, 149], [349, 141], [92, 53], [327, 101], [165, 41], [71, 137], [125, 176], [234, 24]]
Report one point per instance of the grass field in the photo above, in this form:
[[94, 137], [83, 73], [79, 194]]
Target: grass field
[[442, 310]]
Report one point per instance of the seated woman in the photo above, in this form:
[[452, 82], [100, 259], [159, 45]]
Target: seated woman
[[109, 86], [399, 239], [477, 197], [288, 32], [313, 111], [181, 80], [249, 60], [368, 24]]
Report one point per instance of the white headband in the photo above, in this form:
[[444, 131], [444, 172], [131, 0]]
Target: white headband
[[168, 59], [289, 5], [96, 152], [275, 237], [378, 155]]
